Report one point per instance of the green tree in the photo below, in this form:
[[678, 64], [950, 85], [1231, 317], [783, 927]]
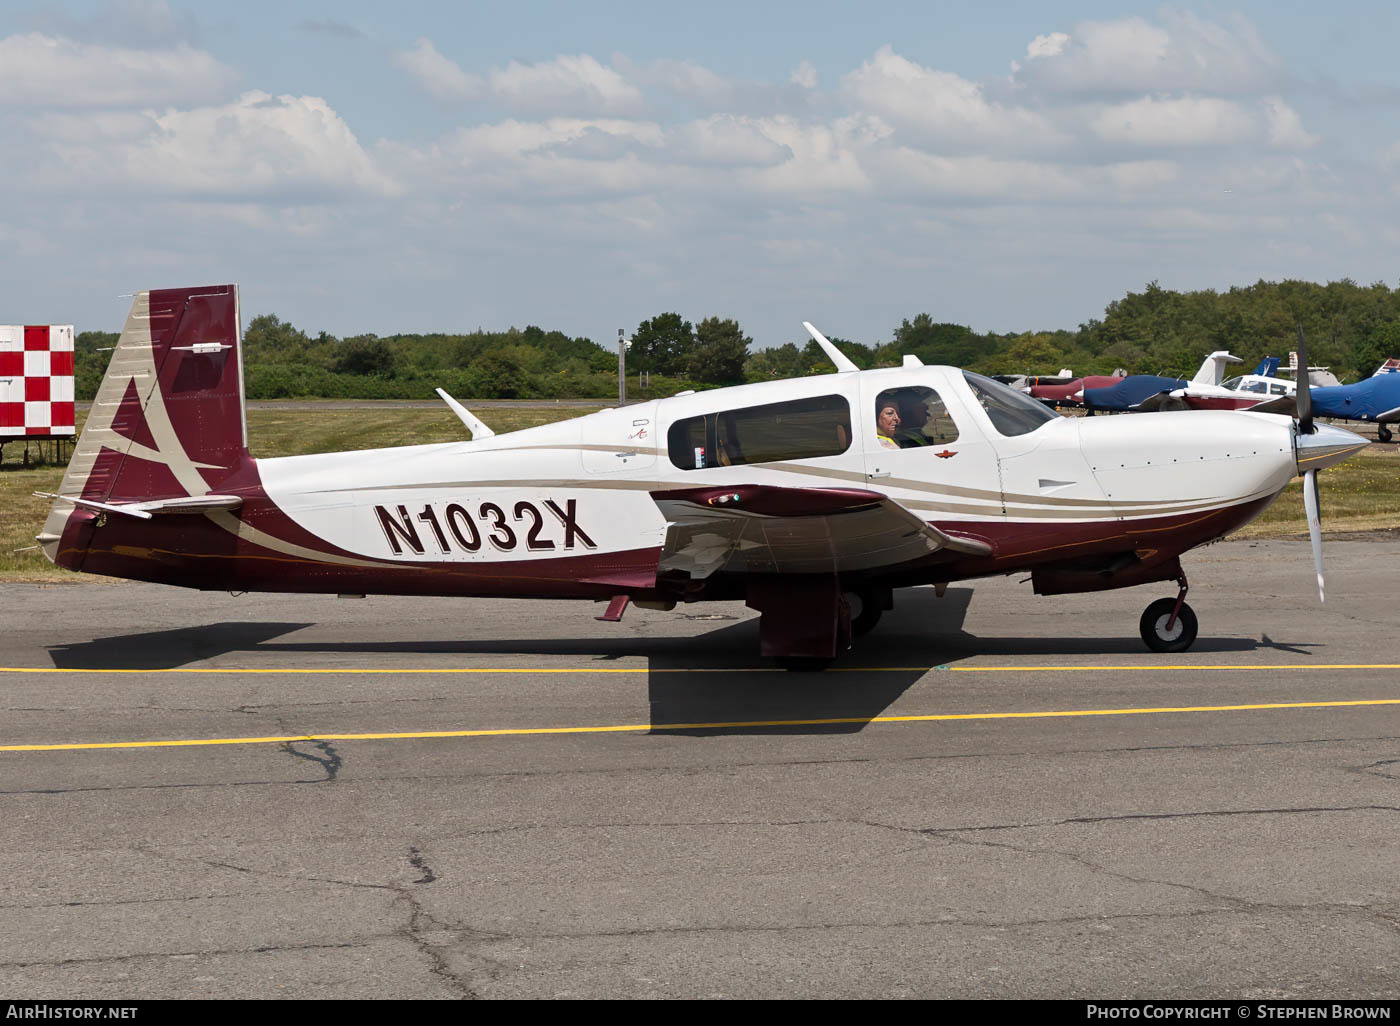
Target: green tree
[[365, 355], [932, 342], [719, 352], [662, 345]]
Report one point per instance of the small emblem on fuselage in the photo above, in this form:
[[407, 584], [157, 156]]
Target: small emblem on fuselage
[[945, 454]]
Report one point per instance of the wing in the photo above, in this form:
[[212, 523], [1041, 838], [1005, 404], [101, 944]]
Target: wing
[[766, 529], [1160, 401], [1283, 404]]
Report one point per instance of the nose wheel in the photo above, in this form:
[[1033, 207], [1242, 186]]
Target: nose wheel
[[1169, 625]]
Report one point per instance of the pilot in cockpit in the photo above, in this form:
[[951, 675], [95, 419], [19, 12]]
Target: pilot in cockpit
[[887, 419], [913, 417]]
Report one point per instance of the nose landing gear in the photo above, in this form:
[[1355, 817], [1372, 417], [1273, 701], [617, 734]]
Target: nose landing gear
[[1169, 625]]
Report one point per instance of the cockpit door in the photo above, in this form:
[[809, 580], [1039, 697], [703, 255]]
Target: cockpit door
[[937, 460]]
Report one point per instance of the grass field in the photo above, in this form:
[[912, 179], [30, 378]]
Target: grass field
[[1362, 494]]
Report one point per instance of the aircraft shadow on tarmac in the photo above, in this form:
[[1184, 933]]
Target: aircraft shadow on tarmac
[[691, 679]]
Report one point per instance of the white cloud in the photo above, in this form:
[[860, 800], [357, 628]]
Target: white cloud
[[726, 140], [568, 84], [684, 79], [442, 79], [825, 157], [565, 84], [47, 72], [256, 146], [1049, 45], [1132, 55], [804, 75], [518, 138], [1189, 121], [1285, 127], [938, 103]]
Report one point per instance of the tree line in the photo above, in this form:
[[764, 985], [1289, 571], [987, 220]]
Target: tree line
[[1350, 327]]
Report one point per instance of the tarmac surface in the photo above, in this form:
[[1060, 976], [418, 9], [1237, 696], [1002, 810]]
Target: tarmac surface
[[1010, 796]]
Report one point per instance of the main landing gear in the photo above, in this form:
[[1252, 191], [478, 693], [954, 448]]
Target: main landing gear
[[1169, 625], [1383, 433]]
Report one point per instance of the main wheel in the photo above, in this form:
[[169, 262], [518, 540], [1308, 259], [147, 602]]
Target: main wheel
[[1383, 433], [865, 612], [1153, 626]]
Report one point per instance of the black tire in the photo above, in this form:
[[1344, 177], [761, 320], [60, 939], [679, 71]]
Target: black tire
[[1153, 625], [805, 664], [1383, 433], [865, 612]]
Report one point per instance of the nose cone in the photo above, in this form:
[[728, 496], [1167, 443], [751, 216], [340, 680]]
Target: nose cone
[[1326, 447]]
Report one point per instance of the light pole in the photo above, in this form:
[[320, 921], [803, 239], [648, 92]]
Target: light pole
[[622, 346]]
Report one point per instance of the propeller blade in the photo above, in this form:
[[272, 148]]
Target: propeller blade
[[1310, 503], [1304, 386]]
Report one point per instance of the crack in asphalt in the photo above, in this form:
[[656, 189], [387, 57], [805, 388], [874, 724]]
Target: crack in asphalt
[[727, 766], [98, 959], [1129, 816], [943, 921], [135, 901], [420, 924], [1373, 769], [416, 860], [329, 760]]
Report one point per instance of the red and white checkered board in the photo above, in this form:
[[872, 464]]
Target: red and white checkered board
[[36, 380]]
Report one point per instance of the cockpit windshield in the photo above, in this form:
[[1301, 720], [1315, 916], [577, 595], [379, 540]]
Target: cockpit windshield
[[1011, 412]]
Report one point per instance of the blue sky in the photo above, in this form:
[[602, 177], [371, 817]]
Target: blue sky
[[359, 166]]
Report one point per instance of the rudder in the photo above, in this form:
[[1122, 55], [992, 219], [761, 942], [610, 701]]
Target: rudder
[[168, 420]]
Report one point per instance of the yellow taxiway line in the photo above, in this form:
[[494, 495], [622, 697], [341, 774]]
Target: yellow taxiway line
[[623, 728], [295, 671]]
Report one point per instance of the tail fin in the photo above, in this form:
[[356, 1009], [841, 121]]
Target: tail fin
[[1212, 370], [168, 419]]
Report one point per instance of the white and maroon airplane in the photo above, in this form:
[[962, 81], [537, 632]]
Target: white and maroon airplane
[[812, 499]]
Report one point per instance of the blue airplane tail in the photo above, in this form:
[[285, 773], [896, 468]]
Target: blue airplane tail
[[1268, 367]]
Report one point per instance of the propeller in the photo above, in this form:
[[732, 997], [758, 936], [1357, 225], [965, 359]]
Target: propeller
[[1304, 387], [1316, 447], [1311, 499]]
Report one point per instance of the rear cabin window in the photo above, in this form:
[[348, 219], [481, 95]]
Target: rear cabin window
[[802, 429]]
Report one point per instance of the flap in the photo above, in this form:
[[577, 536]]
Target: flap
[[767, 529]]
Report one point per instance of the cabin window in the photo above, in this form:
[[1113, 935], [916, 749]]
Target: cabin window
[[802, 429], [1278, 389], [912, 417], [1255, 386], [1011, 412]]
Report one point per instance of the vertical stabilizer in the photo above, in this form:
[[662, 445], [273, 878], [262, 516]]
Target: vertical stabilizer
[[1212, 370], [168, 418]]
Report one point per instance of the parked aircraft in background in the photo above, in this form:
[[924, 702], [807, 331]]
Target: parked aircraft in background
[[1133, 390], [1375, 399], [812, 499], [1239, 393], [1070, 393], [1024, 382]]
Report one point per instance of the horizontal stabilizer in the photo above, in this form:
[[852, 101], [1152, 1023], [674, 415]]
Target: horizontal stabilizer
[[186, 504]]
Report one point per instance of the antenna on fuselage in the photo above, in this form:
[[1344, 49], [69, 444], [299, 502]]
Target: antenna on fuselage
[[475, 426], [842, 361]]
